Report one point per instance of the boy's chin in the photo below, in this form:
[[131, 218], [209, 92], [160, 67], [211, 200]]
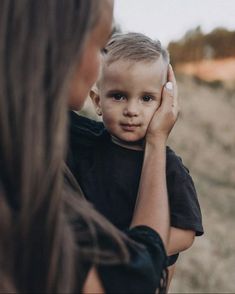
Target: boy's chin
[[130, 139], [129, 143]]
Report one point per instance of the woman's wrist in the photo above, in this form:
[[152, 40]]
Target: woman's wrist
[[156, 141]]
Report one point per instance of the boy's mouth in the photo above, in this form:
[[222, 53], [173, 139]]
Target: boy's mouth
[[129, 126]]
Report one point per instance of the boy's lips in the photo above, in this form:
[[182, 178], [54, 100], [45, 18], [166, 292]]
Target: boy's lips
[[129, 126]]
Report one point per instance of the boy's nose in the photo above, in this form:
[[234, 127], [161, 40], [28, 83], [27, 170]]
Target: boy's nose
[[131, 109]]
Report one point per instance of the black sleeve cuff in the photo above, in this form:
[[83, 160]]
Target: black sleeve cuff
[[143, 272]]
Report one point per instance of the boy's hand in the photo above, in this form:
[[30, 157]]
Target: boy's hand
[[166, 115]]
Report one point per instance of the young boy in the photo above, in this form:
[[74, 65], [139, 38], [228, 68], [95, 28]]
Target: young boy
[[107, 161]]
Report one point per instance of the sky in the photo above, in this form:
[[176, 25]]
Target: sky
[[169, 20]]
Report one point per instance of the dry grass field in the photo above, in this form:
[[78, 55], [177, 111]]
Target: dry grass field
[[205, 138]]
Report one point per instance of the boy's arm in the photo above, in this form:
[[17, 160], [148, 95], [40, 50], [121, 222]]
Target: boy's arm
[[179, 240], [186, 219]]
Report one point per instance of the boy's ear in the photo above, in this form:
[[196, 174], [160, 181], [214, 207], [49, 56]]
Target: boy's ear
[[96, 101]]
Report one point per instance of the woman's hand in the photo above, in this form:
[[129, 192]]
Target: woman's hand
[[166, 115]]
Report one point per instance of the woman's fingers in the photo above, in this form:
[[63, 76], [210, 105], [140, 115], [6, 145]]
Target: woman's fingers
[[170, 102], [166, 115], [171, 87], [171, 78], [171, 75]]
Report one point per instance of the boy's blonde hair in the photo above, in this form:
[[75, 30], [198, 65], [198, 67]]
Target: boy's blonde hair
[[135, 47]]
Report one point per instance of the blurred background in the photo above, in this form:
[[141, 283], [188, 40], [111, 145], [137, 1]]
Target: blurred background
[[200, 36]]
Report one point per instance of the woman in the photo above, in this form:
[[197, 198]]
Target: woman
[[51, 240]]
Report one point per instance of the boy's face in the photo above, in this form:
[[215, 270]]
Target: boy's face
[[129, 94]]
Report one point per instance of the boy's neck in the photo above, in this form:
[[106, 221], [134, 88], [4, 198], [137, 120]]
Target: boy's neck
[[139, 145]]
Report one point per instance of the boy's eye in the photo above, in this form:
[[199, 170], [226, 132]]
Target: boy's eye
[[118, 96], [147, 98]]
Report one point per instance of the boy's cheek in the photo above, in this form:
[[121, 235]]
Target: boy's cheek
[[152, 113], [158, 105]]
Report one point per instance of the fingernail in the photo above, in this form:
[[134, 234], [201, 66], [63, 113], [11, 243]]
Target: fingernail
[[169, 86]]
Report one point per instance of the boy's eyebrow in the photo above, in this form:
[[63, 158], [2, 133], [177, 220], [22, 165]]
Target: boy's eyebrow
[[151, 93], [114, 91]]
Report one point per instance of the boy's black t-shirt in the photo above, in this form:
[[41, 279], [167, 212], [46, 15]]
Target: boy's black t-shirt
[[109, 177]]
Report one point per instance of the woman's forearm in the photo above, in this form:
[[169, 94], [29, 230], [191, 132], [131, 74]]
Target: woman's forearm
[[152, 202], [152, 207]]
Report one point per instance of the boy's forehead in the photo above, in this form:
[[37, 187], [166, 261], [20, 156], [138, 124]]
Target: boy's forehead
[[121, 69]]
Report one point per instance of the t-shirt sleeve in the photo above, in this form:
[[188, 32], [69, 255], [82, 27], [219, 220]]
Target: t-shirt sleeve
[[83, 130], [146, 267], [83, 136], [184, 206]]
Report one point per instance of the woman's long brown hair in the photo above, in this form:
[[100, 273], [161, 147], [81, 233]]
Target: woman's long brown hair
[[40, 43]]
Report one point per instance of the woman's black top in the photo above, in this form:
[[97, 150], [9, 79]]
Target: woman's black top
[[145, 269]]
